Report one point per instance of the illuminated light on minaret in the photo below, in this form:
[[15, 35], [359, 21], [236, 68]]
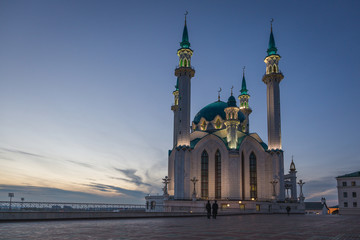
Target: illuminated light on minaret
[[232, 121], [184, 73], [244, 104], [272, 79]]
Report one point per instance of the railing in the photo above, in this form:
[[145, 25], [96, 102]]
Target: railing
[[177, 66], [68, 207]]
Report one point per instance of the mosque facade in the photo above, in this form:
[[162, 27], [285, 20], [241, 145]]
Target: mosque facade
[[216, 156]]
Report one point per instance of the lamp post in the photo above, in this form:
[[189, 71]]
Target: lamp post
[[22, 202], [273, 183], [194, 180], [166, 181], [11, 195], [301, 197]]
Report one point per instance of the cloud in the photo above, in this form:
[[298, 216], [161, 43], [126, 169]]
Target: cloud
[[321, 187], [110, 188], [81, 164], [132, 177], [22, 152], [46, 194]]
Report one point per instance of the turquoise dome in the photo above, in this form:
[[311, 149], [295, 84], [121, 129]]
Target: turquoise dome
[[231, 102], [210, 111]]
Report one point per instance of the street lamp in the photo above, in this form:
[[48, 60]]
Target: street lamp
[[194, 180], [11, 195]]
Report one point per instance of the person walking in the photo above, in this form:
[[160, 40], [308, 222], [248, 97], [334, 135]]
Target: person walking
[[208, 209], [288, 209], [215, 209]]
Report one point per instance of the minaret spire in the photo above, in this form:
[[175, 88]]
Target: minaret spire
[[243, 83], [244, 104], [272, 48], [185, 37]]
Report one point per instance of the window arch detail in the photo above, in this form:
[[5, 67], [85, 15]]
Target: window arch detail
[[204, 174], [253, 176], [217, 174]]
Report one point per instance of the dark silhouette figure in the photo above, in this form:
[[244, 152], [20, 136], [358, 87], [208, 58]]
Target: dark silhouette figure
[[208, 209], [215, 209], [288, 208]]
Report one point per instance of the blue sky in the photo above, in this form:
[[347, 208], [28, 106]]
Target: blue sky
[[86, 89]]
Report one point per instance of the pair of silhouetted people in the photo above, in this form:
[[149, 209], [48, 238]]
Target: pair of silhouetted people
[[214, 209]]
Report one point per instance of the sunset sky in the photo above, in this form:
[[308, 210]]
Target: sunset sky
[[86, 89]]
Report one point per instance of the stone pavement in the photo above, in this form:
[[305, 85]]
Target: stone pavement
[[255, 227]]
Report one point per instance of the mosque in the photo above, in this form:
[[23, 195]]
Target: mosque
[[217, 157]]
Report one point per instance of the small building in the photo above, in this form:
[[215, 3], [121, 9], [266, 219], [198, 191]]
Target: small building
[[313, 208], [348, 186]]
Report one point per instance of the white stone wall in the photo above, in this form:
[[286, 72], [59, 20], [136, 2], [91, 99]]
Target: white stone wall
[[349, 189], [186, 164]]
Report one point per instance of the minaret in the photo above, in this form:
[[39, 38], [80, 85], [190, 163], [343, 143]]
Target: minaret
[[272, 78], [232, 121], [292, 174], [181, 108], [184, 72], [244, 104], [175, 109]]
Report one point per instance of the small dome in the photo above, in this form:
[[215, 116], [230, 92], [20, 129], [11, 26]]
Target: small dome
[[231, 101], [292, 166], [210, 111]]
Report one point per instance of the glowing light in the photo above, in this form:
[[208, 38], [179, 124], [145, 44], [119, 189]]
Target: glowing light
[[228, 205], [239, 202], [252, 199]]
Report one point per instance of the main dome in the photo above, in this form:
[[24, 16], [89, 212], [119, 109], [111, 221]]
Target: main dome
[[209, 112]]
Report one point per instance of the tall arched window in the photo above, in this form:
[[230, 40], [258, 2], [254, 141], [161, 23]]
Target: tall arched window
[[270, 69], [242, 174], [185, 63], [204, 174], [217, 174], [253, 178], [275, 69]]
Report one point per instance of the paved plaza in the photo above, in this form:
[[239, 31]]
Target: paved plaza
[[255, 227]]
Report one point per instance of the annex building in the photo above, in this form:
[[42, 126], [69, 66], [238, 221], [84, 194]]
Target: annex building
[[216, 156], [348, 186]]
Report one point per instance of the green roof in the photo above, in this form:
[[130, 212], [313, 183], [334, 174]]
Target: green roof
[[272, 48], [243, 91], [177, 84], [210, 111], [231, 101], [185, 38], [354, 174]]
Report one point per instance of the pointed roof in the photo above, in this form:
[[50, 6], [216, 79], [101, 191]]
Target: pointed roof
[[185, 37], [272, 48], [243, 90], [292, 165]]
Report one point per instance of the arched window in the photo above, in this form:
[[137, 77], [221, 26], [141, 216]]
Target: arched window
[[217, 174], [218, 124], [242, 176], [270, 69], [275, 69], [204, 174], [203, 126], [181, 62], [253, 177], [185, 63]]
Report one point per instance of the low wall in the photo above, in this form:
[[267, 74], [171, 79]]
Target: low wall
[[35, 216]]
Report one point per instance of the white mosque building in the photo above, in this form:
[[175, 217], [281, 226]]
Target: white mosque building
[[217, 157]]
